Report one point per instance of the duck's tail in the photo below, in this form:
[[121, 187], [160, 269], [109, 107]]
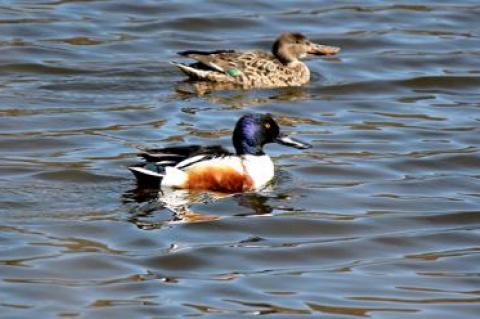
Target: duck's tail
[[146, 177]]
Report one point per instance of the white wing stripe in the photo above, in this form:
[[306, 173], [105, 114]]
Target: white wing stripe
[[145, 171], [190, 161], [165, 162]]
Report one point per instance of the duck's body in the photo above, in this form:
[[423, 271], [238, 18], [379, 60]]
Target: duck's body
[[254, 68], [246, 69], [214, 168], [208, 169]]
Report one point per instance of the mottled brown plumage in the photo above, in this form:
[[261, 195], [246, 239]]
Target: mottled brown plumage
[[254, 68]]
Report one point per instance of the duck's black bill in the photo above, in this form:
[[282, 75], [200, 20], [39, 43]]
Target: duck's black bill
[[292, 142]]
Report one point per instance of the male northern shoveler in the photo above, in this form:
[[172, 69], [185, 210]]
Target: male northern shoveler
[[213, 168], [257, 69]]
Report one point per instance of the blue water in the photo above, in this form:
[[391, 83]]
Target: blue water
[[379, 219]]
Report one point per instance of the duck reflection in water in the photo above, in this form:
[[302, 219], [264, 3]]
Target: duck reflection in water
[[213, 91], [224, 94], [147, 203]]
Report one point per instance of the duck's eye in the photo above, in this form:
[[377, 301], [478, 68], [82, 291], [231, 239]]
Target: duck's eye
[[267, 126]]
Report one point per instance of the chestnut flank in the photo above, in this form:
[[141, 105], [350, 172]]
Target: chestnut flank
[[218, 179]]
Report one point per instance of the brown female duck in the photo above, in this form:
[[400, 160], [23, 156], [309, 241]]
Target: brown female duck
[[254, 68]]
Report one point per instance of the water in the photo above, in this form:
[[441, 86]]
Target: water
[[380, 219]]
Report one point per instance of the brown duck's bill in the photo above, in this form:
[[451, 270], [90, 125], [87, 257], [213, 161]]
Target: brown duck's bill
[[292, 142], [319, 49]]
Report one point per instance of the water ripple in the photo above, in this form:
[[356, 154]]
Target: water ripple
[[379, 219]]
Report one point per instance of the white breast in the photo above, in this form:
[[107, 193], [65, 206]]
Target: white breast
[[259, 168]]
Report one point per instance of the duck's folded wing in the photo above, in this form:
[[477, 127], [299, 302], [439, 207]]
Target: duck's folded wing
[[150, 173], [175, 155], [160, 160], [218, 60], [226, 61]]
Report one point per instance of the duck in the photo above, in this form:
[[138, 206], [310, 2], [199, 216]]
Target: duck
[[254, 68], [213, 168]]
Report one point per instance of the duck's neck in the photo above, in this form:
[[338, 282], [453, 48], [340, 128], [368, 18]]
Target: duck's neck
[[283, 54], [285, 58], [245, 148]]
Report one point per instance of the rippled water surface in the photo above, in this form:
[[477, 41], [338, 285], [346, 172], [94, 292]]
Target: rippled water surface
[[380, 219]]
